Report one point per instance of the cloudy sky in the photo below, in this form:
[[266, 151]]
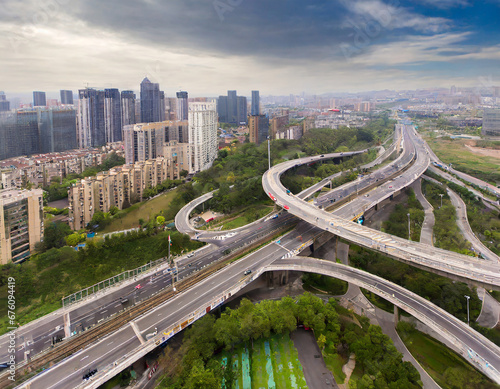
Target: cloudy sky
[[276, 46]]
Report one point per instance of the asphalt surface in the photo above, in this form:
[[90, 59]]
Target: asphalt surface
[[426, 233], [315, 371]]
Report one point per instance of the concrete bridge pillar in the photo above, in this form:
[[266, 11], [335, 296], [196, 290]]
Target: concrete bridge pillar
[[396, 315], [277, 278], [67, 325], [322, 239]]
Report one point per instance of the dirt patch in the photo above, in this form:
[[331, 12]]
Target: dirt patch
[[348, 368], [483, 151]]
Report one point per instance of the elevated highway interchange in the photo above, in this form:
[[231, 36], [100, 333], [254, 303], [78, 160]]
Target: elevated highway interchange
[[166, 318]]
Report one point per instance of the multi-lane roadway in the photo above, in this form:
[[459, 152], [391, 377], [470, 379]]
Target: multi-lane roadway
[[483, 273]]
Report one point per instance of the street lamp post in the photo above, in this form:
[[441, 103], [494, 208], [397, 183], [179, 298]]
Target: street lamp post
[[441, 194], [409, 235], [269, 151], [468, 298]]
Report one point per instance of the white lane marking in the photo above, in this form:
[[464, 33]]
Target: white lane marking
[[104, 311], [110, 343], [85, 357], [117, 305]]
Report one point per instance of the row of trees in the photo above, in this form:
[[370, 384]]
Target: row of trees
[[380, 363]]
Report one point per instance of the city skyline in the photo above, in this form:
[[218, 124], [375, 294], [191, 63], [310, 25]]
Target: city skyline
[[280, 48]]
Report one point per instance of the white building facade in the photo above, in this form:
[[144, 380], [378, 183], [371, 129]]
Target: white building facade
[[203, 134]]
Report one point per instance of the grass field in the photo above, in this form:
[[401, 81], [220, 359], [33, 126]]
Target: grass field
[[145, 210], [240, 217], [455, 152], [378, 301], [334, 363], [273, 362], [436, 358]]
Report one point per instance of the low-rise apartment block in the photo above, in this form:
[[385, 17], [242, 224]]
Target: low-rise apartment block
[[40, 169], [118, 187]]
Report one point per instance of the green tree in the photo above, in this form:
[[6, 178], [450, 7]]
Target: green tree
[[321, 341], [54, 235], [160, 220]]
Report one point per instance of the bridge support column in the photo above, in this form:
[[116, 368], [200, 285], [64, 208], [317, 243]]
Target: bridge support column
[[137, 332], [322, 239], [396, 315], [67, 325], [277, 278], [342, 253]]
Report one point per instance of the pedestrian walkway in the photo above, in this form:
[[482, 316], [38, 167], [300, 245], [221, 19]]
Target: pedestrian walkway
[[490, 311], [426, 234]]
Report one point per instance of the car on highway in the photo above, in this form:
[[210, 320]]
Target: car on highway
[[272, 197], [322, 155], [247, 272], [123, 300], [89, 374], [138, 286], [190, 255], [286, 207], [275, 216]]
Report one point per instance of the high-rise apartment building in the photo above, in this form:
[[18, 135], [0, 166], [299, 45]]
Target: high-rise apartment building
[[21, 223], [39, 99], [162, 106], [91, 122], [177, 130], [255, 111], [4, 103], [143, 141], [35, 131], [112, 115], [491, 122], [278, 124], [171, 108], [258, 127], [232, 109], [182, 106], [152, 106], [203, 134], [57, 130], [66, 97], [128, 108]]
